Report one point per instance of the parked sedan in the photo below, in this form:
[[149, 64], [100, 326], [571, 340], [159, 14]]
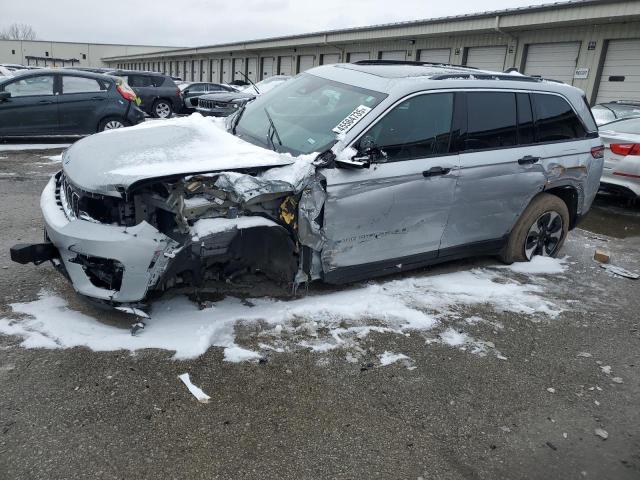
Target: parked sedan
[[610, 111], [621, 172], [159, 95], [224, 104], [64, 102], [191, 92]]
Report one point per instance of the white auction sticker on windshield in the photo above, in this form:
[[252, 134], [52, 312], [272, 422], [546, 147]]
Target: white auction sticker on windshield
[[354, 117]]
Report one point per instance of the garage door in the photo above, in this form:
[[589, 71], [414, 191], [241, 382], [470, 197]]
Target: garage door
[[393, 55], [214, 71], [238, 69], [267, 67], [305, 62], [556, 61], [329, 58], [252, 69], [435, 55], [226, 70], [486, 58], [285, 65], [358, 56], [620, 78]]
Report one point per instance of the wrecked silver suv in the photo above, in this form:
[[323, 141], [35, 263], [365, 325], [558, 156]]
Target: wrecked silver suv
[[345, 172]]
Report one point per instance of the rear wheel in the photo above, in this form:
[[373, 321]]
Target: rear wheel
[[162, 109], [111, 123], [541, 230]]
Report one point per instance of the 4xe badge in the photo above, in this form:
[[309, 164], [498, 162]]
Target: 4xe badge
[[354, 117]]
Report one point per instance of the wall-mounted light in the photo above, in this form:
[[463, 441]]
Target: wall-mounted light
[[412, 42], [456, 51]]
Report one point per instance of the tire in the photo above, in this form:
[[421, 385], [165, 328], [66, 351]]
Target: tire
[[546, 214], [162, 109], [111, 123]]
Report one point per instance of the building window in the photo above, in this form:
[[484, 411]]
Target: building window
[[84, 56], [13, 52], [46, 54]]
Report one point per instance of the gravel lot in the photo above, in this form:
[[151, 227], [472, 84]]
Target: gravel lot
[[77, 413]]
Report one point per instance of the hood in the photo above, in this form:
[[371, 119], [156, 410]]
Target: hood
[[228, 96], [109, 161]]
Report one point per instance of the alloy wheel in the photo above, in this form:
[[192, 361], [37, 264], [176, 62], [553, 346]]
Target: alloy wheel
[[544, 235], [111, 124], [163, 110]]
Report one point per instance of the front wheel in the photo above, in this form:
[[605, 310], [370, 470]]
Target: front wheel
[[541, 230], [162, 109]]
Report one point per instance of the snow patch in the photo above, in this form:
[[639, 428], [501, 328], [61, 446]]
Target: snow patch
[[387, 358], [540, 266], [320, 322]]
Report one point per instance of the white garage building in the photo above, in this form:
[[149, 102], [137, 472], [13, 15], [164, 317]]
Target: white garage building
[[592, 44]]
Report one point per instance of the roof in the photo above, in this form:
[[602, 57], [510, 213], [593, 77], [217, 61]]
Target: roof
[[491, 16]]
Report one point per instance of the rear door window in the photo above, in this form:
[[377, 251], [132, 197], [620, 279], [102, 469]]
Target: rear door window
[[491, 120], [80, 85], [140, 81], [417, 128], [31, 86], [555, 120]]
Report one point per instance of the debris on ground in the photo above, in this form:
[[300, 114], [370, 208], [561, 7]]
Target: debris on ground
[[197, 392], [619, 271], [551, 390], [601, 256], [603, 434], [136, 327], [617, 380], [584, 354]]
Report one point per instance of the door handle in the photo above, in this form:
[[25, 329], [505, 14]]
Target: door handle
[[435, 171], [97, 98], [528, 160], [45, 102]]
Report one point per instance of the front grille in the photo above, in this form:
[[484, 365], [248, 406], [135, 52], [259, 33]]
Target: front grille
[[69, 198]]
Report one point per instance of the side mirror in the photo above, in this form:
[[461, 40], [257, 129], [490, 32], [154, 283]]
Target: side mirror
[[5, 96]]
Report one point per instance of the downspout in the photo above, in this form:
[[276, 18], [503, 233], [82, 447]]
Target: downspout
[[342, 54], [510, 35]]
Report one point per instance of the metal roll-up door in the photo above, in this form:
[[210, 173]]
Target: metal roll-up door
[[267, 67], [285, 66], [214, 71], [305, 62], [486, 58], [620, 79], [329, 58], [435, 55], [238, 69], [358, 56], [252, 69], [556, 61], [393, 55], [227, 70]]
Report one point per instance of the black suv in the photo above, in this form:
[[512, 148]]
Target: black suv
[[159, 94], [64, 102]]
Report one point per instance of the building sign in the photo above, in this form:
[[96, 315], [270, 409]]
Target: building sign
[[591, 45], [581, 73]]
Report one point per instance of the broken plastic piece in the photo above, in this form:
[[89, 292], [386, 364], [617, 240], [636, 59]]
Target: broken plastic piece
[[621, 272], [197, 392], [136, 327]]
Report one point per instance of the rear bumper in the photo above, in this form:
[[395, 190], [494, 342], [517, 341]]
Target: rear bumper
[[627, 186], [133, 258], [135, 115]]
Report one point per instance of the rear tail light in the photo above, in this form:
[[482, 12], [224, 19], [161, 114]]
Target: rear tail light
[[179, 92], [625, 148], [126, 91], [597, 152]]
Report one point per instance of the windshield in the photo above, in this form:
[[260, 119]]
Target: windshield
[[303, 112]]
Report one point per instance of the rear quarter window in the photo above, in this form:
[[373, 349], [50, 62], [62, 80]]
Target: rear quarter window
[[555, 120]]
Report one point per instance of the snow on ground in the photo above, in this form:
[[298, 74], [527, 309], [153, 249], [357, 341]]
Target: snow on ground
[[32, 146], [540, 266], [53, 158], [320, 322]]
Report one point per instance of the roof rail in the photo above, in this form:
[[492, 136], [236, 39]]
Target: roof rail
[[410, 62], [485, 76]]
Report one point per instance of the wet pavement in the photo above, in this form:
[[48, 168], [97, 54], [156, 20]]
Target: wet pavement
[[75, 413]]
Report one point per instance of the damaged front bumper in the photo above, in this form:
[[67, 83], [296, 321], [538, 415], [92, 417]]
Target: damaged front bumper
[[110, 263]]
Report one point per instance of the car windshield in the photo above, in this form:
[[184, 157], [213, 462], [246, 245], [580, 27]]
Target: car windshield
[[303, 111], [629, 125]]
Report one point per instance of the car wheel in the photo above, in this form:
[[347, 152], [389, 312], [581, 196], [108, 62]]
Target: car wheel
[[110, 124], [162, 109], [541, 230]]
